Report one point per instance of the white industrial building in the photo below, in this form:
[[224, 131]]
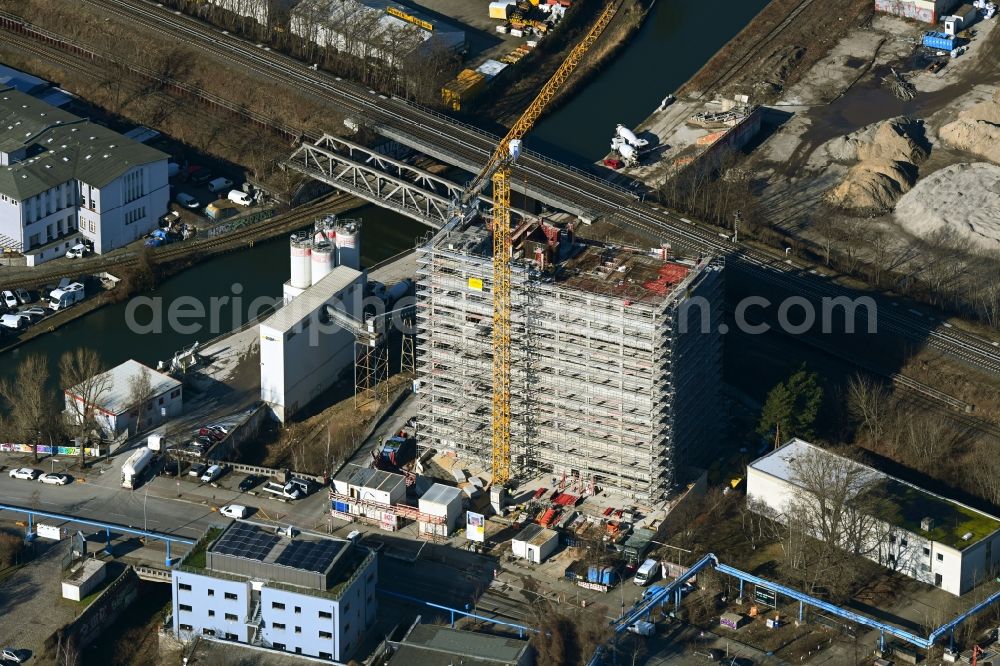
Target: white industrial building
[[925, 11], [309, 594], [930, 538], [113, 399], [63, 178], [443, 502], [368, 29], [534, 543], [302, 351], [314, 253]]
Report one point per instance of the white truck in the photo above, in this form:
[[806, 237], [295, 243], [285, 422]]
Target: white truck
[[134, 467], [66, 296]]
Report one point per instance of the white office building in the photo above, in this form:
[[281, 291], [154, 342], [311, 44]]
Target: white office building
[[302, 351], [925, 536], [63, 179], [113, 399], [309, 594]]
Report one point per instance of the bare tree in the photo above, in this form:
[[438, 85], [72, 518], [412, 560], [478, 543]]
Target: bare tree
[[868, 401], [140, 394], [29, 400], [81, 374]]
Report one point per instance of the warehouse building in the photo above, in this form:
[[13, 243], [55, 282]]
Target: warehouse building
[[113, 399], [927, 537], [611, 385], [375, 29], [925, 11], [302, 351], [63, 178], [309, 594]]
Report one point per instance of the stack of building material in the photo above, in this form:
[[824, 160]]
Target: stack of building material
[[465, 87]]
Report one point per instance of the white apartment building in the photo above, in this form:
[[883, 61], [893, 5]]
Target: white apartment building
[[927, 537], [63, 178]]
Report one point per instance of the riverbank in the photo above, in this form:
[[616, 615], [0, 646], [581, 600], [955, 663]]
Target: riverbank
[[506, 103]]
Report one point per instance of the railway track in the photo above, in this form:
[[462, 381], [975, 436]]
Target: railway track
[[727, 74], [300, 216], [474, 145]]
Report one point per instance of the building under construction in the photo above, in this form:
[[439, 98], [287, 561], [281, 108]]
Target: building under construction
[[609, 387]]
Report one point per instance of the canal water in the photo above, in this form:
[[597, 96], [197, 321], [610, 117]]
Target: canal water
[[677, 38], [244, 279]]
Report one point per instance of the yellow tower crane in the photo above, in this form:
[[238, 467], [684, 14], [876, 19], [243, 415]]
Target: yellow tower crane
[[498, 169]]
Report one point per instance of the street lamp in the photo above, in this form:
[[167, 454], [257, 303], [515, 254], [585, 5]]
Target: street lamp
[[53, 468]]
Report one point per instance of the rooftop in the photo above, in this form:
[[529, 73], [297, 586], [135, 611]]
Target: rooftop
[[311, 300], [558, 255], [431, 645], [308, 560], [908, 504], [535, 534], [367, 477], [441, 494], [117, 398], [60, 147]]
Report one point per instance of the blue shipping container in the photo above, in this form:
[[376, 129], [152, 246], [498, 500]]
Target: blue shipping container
[[340, 506], [593, 574], [608, 576], [938, 40]]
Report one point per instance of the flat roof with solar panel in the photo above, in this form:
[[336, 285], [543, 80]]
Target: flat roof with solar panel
[[309, 560]]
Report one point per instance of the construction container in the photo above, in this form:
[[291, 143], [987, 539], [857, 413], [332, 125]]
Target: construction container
[[938, 40], [442, 502], [465, 87], [502, 9], [638, 544], [221, 209]]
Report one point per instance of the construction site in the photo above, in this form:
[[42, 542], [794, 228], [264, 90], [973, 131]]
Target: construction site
[[614, 377]]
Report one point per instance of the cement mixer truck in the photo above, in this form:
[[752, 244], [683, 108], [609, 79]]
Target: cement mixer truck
[[630, 138]]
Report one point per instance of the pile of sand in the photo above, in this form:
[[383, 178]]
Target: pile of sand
[[977, 130], [887, 155], [963, 199]]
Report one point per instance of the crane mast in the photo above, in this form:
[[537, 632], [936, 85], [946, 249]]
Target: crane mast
[[498, 170]]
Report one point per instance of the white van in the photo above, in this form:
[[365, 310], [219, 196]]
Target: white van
[[239, 198], [219, 184], [647, 573]]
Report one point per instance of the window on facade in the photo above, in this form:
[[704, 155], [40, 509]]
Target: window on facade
[[230, 595], [232, 637], [184, 586], [298, 610], [347, 607], [211, 592], [298, 630], [208, 632], [903, 543], [325, 634], [325, 615], [277, 605], [298, 650], [185, 608], [927, 551], [940, 557], [326, 655], [278, 625], [185, 627], [231, 617], [279, 646], [211, 613], [161, 401], [175, 393]]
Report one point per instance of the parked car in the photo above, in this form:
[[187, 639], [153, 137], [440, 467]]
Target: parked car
[[35, 312], [197, 469], [613, 163], [187, 201], [170, 467], [12, 320], [283, 490], [23, 296], [202, 175], [250, 481], [211, 433], [11, 654], [235, 511], [77, 251], [204, 441], [54, 479], [218, 427], [9, 299], [24, 473], [211, 474]]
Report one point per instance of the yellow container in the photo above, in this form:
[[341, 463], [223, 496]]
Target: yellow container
[[465, 87]]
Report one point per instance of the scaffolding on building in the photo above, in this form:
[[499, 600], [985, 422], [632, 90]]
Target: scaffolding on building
[[606, 387]]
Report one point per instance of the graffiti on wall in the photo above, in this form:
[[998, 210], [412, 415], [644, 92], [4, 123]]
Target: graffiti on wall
[[917, 10]]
